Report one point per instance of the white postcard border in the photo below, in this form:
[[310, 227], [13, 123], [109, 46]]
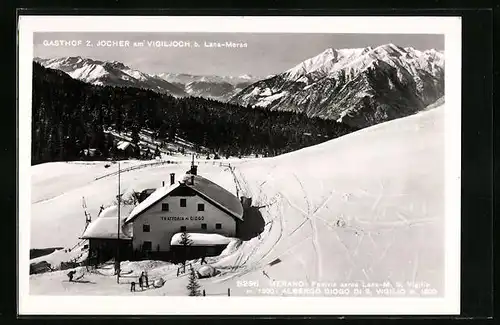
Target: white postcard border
[[95, 305]]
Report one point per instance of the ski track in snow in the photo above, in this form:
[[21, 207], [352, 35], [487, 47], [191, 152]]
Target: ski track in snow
[[310, 217], [241, 263], [275, 244]]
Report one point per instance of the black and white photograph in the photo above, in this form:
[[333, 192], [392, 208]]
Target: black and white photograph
[[313, 159]]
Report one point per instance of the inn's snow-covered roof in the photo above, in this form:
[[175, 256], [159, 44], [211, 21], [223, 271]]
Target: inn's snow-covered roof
[[218, 195], [106, 225], [199, 239], [156, 196], [213, 193]]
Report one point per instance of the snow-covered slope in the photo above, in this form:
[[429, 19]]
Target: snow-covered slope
[[326, 62], [364, 208], [109, 73], [58, 190], [361, 86]]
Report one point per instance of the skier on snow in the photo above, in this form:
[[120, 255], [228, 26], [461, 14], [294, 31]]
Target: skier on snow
[[71, 274]]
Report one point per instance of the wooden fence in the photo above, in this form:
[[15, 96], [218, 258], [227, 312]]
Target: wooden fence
[[156, 163], [159, 163], [182, 269]]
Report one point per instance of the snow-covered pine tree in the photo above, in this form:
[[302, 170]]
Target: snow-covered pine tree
[[185, 239], [193, 285]]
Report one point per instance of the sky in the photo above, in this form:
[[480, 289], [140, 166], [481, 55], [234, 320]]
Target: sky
[[264, 54]]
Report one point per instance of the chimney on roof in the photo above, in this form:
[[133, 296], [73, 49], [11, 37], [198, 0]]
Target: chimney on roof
[[246, 202], [172, 178], [194, 169]]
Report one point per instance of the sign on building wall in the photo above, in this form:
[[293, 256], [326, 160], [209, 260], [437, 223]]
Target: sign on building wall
[[182, 218]]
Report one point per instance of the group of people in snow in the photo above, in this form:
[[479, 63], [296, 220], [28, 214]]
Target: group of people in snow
[[143, 282]]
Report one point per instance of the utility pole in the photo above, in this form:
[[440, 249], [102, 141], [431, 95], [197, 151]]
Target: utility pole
[[117, 259]]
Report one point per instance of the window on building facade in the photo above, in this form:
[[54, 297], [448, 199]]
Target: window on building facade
[[201, 207], [204, 226], [164, 207], [183, 203], [218, 226], [183, 228], [146, 246], [145, 228]]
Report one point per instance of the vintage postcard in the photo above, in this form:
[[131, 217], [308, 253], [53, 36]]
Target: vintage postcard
[[262, 165]]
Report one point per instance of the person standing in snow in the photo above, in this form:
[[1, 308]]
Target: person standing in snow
[[132, 286], [140, 281], [146, 278]]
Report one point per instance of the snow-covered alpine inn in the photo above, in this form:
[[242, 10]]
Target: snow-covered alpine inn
[[208, 213]]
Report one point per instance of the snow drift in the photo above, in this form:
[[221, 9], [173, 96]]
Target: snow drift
[[201, 239]]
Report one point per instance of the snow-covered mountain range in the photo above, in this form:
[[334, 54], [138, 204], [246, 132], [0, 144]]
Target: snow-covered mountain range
[[110, 73], [114, 73], [361, 86], [221, 88]]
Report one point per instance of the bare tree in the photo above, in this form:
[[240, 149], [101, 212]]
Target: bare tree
[[185, 242]]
